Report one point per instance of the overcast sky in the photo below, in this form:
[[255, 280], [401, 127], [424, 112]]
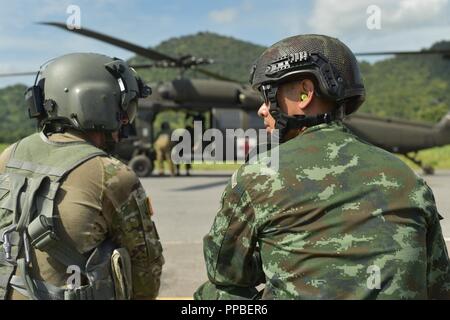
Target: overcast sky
[[24, 46]]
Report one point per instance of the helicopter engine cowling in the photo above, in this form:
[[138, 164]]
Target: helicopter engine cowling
[[204, 91]]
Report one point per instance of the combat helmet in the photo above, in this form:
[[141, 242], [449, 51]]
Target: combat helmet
[[86, 91], [325, 60]]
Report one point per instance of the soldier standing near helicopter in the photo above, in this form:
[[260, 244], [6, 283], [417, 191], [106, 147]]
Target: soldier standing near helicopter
[[163, 148], [340, 218]]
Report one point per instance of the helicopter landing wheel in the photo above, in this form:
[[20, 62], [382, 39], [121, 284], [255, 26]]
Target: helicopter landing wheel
[[142, 165], [428, 170]]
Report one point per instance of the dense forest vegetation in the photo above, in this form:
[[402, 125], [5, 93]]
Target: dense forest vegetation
[[14, 122], [416, 88]]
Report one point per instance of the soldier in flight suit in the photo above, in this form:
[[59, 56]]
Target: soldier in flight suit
[[337, 218], [163, 148], [98, 209]]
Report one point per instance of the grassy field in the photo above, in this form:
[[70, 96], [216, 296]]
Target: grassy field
[[3, 146], [438, 157]]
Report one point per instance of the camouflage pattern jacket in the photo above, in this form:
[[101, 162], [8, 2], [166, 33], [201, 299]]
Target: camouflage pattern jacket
[[102, 199], [339, 219]]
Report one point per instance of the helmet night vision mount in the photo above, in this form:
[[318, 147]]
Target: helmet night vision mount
[[288, 66]]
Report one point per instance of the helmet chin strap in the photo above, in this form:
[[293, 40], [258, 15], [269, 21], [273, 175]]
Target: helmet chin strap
[[284, 122], [110, 143], [124, 131]]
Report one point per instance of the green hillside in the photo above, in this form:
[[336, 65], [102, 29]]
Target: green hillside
[[233, 58], [409, 87], [14, 123]]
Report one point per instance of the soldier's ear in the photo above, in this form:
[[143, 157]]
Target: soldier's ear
[[307, 86], [306, 94]]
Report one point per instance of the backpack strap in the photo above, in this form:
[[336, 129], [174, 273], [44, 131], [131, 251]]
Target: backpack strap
[[9, 237], [42, 231]]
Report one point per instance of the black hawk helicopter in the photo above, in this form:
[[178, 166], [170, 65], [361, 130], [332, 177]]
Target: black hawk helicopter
[[231, 104]]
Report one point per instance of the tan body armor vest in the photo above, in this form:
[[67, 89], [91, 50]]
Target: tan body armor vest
[[33, 176]]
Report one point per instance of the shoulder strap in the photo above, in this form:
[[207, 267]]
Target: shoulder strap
[[41, 230], [36, 155]]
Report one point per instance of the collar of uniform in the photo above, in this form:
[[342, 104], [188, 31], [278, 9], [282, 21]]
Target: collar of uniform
[[334, 125], [68, 136]]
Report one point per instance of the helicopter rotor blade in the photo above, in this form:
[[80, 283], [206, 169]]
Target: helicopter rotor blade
[[18, 74], [157, 64], [145, 52], [382, 53], [213, 75], [143, 66]]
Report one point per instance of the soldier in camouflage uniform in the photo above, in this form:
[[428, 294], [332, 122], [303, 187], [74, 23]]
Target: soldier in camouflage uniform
[[89, 98], [339, 218]]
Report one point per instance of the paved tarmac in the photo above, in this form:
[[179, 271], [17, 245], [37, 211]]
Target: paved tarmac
[[184, 211]]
